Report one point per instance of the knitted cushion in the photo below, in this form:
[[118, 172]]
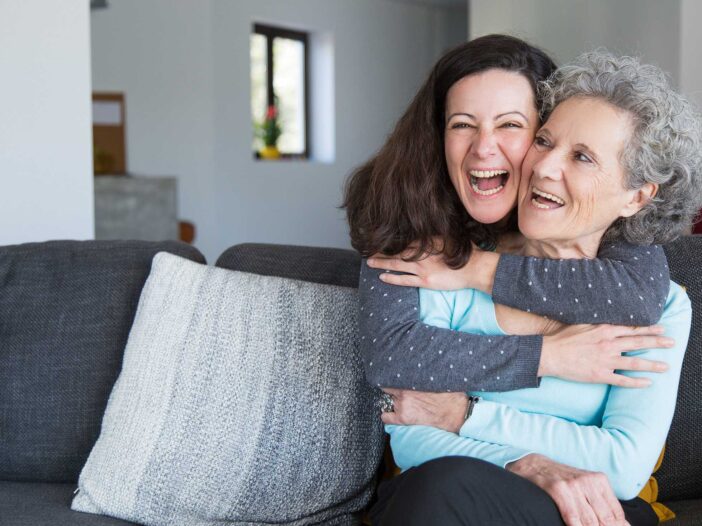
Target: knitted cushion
[[680, 475], [241, 401], [65, 312]]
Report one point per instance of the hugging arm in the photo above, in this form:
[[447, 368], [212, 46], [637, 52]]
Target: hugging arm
[[400, 351], [634, 424], [626, 285], [415, 445], [389, 321]]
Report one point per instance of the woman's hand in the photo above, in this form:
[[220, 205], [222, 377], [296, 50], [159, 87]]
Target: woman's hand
[[582, 497], [431, 271], [441, 410], [592, 353]]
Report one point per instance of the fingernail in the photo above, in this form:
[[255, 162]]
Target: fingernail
[[662, 367], [382, 276], [371, 262], [668, 342]]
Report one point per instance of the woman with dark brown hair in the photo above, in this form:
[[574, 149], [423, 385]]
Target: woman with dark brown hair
[[445, 181]]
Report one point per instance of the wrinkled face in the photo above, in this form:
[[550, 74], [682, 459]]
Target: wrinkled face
[[491, 118], [572, 185]]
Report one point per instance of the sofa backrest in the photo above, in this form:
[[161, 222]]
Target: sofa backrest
[[63, 327], [66, 308], [329, 266], [680, 475]]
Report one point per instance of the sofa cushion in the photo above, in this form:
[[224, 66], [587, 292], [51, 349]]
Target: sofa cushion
[[680, 475], [331, 266], [241, 400], [65, 312], [687, 512], [45, 504]]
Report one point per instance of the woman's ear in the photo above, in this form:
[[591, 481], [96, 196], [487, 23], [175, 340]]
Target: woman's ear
[[639, 199]]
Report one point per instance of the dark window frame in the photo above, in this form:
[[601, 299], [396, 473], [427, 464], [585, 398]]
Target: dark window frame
[[271, 32]]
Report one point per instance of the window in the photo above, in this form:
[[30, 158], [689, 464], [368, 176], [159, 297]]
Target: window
[[279, 59]]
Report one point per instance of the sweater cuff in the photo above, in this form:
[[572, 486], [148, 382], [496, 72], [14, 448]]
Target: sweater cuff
[[483, 413], [527, 361], [514, 454], [481, 417], [503, 288]]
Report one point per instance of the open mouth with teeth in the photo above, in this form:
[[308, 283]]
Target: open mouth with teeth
[[544, 200], [488, 182]]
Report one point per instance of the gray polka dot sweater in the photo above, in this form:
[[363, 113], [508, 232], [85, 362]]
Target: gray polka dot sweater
[[626, 285]]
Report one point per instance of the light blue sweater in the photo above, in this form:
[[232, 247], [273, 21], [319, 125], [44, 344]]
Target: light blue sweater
[[614, 430]]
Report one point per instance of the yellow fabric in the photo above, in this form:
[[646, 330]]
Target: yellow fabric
[[649, 493]]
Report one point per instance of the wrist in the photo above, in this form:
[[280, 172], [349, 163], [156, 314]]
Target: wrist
[[466, 407], [545, 360], [525, 464], [458, 415], [487, 269]]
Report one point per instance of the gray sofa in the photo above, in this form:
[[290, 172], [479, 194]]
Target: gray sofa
[[65, 312]]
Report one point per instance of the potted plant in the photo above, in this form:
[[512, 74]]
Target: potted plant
[[269, 131]]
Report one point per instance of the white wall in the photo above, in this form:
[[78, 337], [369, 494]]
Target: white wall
[[691, 46], [184, 67], [647, 28], [46, 181]]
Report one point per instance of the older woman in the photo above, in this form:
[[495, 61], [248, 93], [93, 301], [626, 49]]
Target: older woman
[[618, 158]]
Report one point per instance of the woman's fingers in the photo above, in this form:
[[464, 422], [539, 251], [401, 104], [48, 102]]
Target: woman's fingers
[[572, 503], [404, 280], [396, 264], [623, 330], [390, 418], [635, 343], [602, 500], [631, 363], [625, 381], [616, 513]]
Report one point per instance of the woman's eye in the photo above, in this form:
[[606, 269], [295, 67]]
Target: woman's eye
[[460, 125], [540, 141], [511, 125], [580, 156]]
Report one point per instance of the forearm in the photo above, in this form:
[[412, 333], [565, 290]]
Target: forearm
[[626, 285], [400, 351], [414, 445], [626, 460], [633, 426]]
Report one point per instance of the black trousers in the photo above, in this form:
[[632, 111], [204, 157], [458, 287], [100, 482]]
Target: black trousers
[[462, 491]]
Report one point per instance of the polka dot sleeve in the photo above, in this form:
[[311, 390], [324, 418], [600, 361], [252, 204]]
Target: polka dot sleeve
[[400, 351], [625, 285]]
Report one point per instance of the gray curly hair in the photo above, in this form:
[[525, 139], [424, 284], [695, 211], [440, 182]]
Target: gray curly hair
[[664, 147]]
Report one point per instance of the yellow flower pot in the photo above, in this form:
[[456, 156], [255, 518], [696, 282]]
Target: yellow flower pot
[[269, 152]]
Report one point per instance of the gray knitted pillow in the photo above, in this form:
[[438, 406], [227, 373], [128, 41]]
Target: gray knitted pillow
[[241, 401]]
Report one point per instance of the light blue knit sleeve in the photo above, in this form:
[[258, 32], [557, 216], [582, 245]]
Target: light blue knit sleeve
[[414, 445], [634, 426]]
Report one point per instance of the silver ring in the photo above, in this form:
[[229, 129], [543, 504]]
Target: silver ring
[[387, 404]]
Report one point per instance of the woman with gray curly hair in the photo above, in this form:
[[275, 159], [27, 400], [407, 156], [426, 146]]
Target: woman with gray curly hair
[[617, 158]]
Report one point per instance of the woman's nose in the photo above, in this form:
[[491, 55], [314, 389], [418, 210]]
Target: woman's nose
[[549, 166], [485, 144]]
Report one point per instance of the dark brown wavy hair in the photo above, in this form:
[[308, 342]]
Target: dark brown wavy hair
[[404, 194]]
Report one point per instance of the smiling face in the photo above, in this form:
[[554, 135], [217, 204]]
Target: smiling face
[[573, 182], [490, 123]]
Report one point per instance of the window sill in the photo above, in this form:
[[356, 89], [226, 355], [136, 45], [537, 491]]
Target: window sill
[[283, 157]]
